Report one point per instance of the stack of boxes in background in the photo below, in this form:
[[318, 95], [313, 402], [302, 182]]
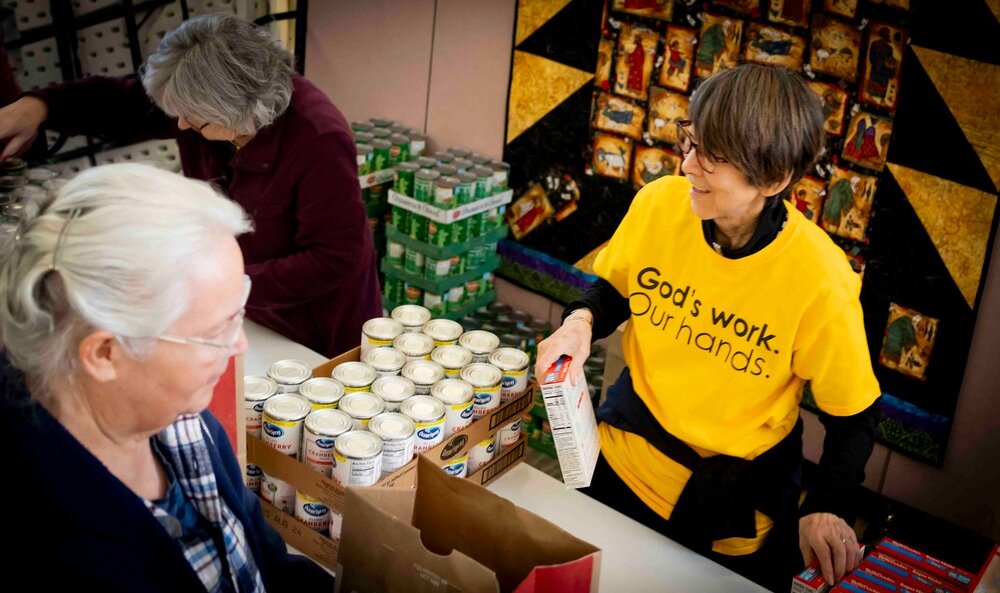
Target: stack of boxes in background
[[447, 216]]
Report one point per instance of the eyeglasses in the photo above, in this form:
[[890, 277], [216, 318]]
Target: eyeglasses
[[686, 143], [231, 332]]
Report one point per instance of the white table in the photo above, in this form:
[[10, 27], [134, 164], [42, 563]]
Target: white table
[[634, 558]]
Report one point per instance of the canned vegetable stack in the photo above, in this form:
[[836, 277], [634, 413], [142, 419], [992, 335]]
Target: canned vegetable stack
[[445, 267]]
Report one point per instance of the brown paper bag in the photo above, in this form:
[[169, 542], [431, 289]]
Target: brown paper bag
[[451, 535]]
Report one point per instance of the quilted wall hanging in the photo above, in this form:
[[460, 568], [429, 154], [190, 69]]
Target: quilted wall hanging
[[908, 187]]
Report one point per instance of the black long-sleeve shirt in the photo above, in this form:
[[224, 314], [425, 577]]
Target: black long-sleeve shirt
[[849, 439]]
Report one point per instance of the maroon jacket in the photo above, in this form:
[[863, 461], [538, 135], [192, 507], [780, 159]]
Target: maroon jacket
[[311, 257]]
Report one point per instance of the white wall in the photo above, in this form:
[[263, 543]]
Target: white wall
[[437, 65]]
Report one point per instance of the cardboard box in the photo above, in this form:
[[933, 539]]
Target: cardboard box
[[574, 428], [988, 580], [450, 536], [324, 550], [952, 576], [810, 580], [871, 581]]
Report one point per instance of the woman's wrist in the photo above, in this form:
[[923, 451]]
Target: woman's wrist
[[583, 315]]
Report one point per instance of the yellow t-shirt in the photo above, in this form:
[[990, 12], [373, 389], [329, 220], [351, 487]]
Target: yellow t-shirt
[[719, 348]]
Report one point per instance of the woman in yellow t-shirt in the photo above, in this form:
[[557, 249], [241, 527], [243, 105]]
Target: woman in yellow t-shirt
[[733, 300]]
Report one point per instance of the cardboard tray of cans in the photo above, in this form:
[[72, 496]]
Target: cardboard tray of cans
[[436, 252], [377, 177], [441, 286], [453, 215], [321, 548]]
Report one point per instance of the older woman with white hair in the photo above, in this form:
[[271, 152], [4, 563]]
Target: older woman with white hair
[[121, 300], [270, 139]]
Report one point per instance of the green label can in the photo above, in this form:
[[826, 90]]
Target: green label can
[[438, 234], [484, 182], [412, 295], [393, 289], [463, 165], [400, 219], [400, 151], [423, 185], [460, 231], [492, 219], [418, 226], [413, 262], [365, 158], [396, 253], [434, 303], [418, 144], [477, 257], [501, 175], [454, 298], [458, 264], [444, 192], [436, 269], [487, 284], [471, 290], [404, 178], [465, 192], [443, 158], [446, 169], [381, 150]]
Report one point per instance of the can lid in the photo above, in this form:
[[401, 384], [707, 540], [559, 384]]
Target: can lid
[[427, 174], [384, 358], [463, 163], [413, 344], [10, 182], [258, 388], [479, 159], [398, 138], [361, 404], [509, 359], [363, 148], [39, 174], [322, 390], [423, 408], [381, 122], [393, 389], [481, 374], [452, 356], [328, 422], [289, 372], [408, 166], [354, 374], [363, 137], [466, 177], [446, 169], [13, 164], [426, 162], [482, 171], [452, 391], [287, 407], [443, 330], [447, 182], [499, 166], [460, 152], [380, 143], [362, 125], [416, 136], [479, 341], [358, 444], [423, 372], [382, 328], [392, 426], [443, 157]]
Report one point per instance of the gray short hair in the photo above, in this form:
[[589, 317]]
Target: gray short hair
[[220, 69], [762, 119], [129, 238]]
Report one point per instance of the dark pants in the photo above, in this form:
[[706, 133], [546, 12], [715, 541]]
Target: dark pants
[[772, 566]]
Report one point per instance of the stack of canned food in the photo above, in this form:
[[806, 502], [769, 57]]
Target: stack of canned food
[[418, 380], [19, 184], [458, 258]]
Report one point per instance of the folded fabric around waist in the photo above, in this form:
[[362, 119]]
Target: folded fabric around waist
[[720, 497]]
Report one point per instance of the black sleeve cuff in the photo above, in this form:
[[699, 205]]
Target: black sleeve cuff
[[609, 307]]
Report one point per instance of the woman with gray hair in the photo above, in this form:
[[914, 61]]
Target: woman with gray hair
[[270, 139], [121, 301]]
